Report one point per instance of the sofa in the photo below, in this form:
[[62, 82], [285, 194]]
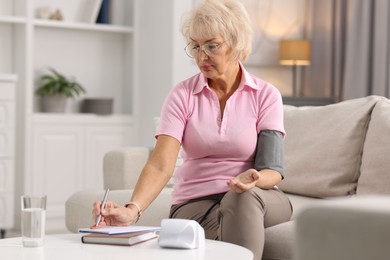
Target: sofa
[[336, 151], [351, 228]]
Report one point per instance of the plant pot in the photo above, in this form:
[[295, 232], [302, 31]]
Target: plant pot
[[100, 106], [53, 104]]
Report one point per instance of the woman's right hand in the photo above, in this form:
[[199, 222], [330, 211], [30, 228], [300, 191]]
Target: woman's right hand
[[113, 214]]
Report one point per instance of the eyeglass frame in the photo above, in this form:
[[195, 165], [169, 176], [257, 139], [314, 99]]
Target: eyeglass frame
[[202, 48]]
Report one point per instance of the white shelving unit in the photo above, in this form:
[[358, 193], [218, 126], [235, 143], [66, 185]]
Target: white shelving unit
[[59, 154], [7, 150]]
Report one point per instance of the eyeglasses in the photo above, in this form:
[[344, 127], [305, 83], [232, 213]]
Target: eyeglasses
[[193, 49]]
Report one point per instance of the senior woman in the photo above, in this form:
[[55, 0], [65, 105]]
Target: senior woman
[[221, 117]]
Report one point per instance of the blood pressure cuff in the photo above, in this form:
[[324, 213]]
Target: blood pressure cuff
[[270, 151]]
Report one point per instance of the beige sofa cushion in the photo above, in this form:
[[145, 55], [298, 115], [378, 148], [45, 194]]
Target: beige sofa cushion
[[323, 147], [375, 169]]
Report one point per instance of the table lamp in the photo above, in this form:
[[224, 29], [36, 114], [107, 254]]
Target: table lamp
[[295, 53]]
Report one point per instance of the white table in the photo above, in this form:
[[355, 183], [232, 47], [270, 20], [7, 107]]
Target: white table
[[69, 247]]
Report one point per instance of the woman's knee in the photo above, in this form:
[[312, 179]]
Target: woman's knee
[[242, 200]]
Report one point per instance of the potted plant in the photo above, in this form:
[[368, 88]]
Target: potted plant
[[55, 89]]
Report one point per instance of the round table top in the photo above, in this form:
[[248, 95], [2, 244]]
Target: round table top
[[69, 246]]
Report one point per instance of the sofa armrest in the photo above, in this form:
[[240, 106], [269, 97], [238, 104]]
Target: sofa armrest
[[78, 208], [347, 228], [121, 167]]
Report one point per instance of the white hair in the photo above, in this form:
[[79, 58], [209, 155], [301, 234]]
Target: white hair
[[227, 18]]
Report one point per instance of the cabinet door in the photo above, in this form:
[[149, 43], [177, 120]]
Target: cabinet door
[[56, 160], [7, 121], [6, 141], [100, 140], [7, 113], [6, 193], [6, 204]]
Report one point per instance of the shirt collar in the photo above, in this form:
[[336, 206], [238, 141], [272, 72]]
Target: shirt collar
[[201, 84], [246, 81]]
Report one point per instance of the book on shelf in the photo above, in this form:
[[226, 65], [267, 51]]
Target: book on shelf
[[92, 10], [104, 12], [128, 239]]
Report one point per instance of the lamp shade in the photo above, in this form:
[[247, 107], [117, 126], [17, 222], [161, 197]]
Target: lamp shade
[[295, 52]]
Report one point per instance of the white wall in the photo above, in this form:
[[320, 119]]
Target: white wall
[[162, 61], [154, 59], [184, 66]]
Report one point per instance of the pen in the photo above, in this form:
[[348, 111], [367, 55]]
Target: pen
[[102, 207]]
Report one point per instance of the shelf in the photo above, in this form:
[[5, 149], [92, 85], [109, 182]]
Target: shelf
[[72, 118], [13, 19], [8, 77], [84, 26]]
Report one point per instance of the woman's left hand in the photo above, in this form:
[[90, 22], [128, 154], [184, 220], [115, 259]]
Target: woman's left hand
[[244, 181]]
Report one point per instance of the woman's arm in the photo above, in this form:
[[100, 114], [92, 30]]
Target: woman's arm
[[154, 176], [268, 164], [157, 171], [264, 179]]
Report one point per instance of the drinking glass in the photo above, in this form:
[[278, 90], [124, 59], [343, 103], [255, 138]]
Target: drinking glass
[[33, 220]]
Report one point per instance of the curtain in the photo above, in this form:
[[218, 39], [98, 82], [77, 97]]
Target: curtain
[[351, 48]]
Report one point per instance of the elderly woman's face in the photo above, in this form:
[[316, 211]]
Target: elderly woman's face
[[213, 56]]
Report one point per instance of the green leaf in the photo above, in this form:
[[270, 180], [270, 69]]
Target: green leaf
[[57, 83]]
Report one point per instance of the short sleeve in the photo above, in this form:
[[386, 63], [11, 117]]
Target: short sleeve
[[173, 116], [271, 111]]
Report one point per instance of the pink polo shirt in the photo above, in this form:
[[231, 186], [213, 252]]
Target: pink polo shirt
[[216, 149]]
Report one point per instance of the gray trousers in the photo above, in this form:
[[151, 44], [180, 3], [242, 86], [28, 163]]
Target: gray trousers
[[238, 218]]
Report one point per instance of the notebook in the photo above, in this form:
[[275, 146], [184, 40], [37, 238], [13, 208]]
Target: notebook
[[121, 239], [116, 230]]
